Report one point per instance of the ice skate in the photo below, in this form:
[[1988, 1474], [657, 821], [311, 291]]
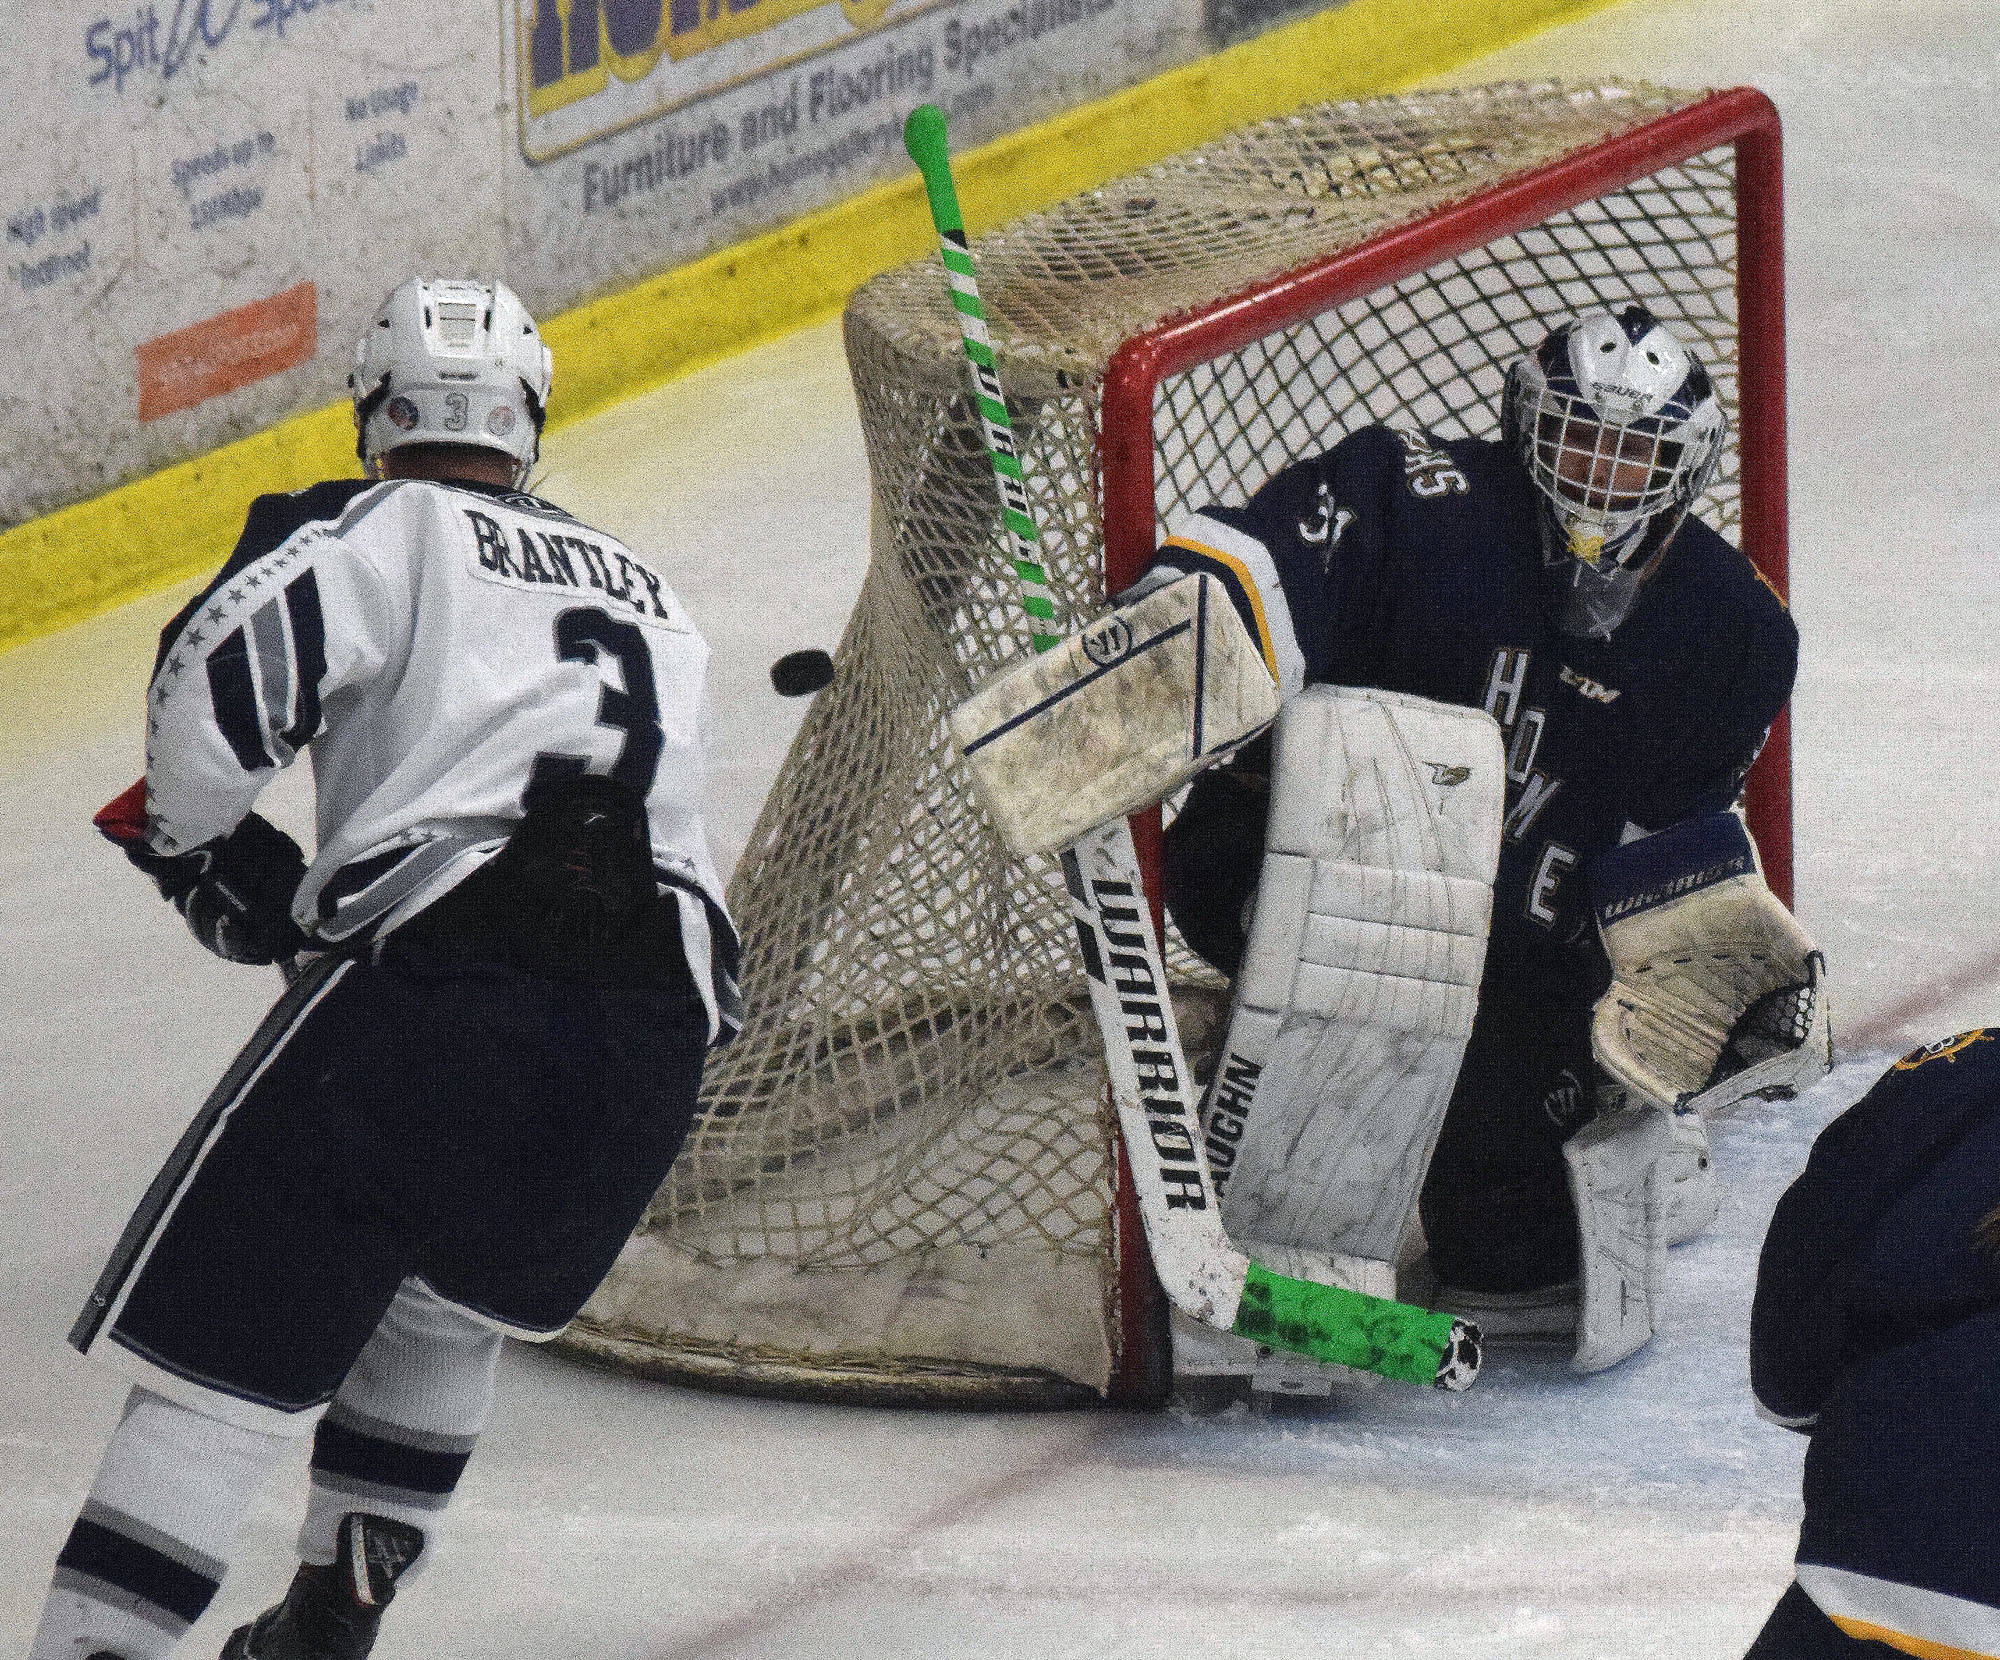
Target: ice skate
[[332, 1612]]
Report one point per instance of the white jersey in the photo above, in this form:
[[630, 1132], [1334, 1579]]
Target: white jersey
[[434, 645]]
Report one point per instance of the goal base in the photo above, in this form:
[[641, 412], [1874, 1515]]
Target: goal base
[[835, 1380]]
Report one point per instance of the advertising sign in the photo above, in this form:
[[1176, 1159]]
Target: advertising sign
[[202, 199]]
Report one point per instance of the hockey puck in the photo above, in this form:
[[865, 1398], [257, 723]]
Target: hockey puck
[[801, 673]]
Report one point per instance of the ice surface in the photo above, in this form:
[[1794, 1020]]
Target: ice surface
[[1642, 1513]]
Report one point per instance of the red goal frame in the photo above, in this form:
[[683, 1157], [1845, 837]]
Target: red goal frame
[[1742, 117]]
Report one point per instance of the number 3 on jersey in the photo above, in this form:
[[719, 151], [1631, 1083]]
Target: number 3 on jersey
[[588, 635]]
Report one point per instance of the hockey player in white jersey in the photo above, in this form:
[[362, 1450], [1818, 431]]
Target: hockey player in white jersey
[[515, 958]]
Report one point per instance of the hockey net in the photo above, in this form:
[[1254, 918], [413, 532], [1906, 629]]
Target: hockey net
[[904, 1181]]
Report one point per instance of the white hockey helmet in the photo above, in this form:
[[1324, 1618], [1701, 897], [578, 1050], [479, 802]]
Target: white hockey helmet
[[451, 362], [1619, 428]]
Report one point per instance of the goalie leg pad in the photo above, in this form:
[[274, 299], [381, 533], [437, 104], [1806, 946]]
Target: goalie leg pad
[[1690, 1197], [1360, 978], [1116, 717], [1615, 1178]]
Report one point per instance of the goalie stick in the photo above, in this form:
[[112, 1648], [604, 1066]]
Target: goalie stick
[[1203, 1274]]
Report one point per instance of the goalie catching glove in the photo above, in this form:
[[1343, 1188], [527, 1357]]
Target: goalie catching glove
[[1715, 990], [235, 892]]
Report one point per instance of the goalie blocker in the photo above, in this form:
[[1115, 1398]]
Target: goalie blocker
[[1116, 717]]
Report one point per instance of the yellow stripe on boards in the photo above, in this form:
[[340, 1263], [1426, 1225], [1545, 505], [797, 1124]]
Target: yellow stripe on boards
[[182, 521], [176, 523]]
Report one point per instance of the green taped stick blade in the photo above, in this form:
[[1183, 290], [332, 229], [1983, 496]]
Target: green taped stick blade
[[1326, 1322]]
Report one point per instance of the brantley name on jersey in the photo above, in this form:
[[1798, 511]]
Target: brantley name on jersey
[[548, 559]]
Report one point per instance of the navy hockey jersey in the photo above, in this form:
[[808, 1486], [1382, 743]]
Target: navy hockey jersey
[[1876, 1328], [1414, 564]]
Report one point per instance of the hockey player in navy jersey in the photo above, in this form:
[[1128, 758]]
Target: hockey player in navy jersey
[[1633, 662], [1522, 687], [1875, 1330], [515, 958]]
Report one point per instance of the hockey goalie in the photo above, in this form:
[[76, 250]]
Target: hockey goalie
[[1499, 943]]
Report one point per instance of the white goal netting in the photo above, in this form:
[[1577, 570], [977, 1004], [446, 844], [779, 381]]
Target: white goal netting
[[901, 1181]]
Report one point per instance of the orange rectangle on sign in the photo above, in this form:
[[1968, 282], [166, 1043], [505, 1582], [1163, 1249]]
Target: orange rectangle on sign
[[221, 353]]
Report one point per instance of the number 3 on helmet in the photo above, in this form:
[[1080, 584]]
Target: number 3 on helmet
[[1618, 426], [450, 362]]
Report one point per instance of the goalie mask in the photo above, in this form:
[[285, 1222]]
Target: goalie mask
[[449, 362], [1619, 428]]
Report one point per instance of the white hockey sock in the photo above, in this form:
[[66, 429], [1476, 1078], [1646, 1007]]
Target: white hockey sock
[[152, 1543], [403, 1424]]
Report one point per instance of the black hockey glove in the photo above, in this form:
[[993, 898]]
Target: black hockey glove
[[234, 892]]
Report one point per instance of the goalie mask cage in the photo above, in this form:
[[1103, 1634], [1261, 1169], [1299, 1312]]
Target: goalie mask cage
[[904, 1182]]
